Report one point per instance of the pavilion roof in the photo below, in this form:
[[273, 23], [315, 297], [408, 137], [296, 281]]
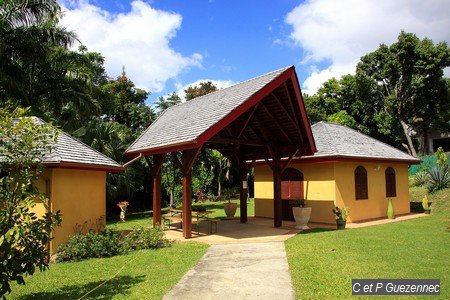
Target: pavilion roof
[[266, 110]]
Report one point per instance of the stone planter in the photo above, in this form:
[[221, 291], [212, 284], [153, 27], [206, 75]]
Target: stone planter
[[230, 209], [301, 216], [341, 224]]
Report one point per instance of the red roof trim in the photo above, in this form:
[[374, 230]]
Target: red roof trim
[[337, 158], [165, 149], [305, 119]]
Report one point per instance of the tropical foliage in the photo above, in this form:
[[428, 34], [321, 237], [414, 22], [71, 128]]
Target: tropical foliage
[[23, 236], [399, 92]]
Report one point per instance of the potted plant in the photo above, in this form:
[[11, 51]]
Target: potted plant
[[425, 205], [341, 216], [230, 209], [301, 213]]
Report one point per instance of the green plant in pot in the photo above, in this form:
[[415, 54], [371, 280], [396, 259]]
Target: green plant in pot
[[301, 213], [426, 205], [230, 209], [341, 216]]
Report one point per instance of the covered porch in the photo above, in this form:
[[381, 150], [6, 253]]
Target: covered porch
[[260, 119]]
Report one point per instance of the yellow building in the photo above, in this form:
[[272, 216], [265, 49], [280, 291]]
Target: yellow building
[[74, 182], [349, 169]]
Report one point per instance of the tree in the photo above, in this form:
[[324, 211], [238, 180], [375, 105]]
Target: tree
[[408, 77], [164, 103], [38, 71], [23, 236], [343, 118], [28, 31], [127, 104], [222, 169], [203, 88]]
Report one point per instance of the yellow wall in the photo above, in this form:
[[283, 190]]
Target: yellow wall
[[81, 197], [319, 189], [376, 204], [328, 183], [43, 185]]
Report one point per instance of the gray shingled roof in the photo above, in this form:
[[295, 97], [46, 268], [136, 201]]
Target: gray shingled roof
[[72, 151], [185, 122], [340, 141]]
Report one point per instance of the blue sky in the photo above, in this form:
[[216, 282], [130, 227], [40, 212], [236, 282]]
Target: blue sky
[[167, 45]]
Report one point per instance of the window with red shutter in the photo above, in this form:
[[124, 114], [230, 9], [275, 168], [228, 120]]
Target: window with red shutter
[[361, 190], [292, 184], [391, 188]]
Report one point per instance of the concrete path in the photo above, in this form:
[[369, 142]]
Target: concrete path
[[238, 271]]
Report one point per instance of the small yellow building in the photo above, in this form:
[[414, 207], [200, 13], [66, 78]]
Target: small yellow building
[[74, 182], [349, 169]]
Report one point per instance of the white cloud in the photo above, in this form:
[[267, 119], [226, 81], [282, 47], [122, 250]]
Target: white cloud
[[340, 32], [138, 39], [220, 84]]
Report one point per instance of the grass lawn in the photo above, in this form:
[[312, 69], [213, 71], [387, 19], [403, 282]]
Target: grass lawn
[[145, 274], [145, 218], [323, 263]]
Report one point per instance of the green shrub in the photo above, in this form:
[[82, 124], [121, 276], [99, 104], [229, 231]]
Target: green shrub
[[420, 178], [82, 246], [145, 238], [439, 179]]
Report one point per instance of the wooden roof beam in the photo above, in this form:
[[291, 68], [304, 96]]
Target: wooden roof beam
[[292, 106], [277, 123], [258, 134], [287, 113], [235, 141], [248, 121]]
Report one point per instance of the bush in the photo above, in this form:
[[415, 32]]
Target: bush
[[420, 178], [82, 246], [145, 238], [439, 179]]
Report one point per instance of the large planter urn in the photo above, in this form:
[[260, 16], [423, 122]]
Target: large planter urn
[[230, 209], [341, 224], [301, 216], [390, 210]]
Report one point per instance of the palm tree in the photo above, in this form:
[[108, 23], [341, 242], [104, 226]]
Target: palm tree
[[36, 68]]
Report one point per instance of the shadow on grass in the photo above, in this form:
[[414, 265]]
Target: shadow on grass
[[316, 230], [117, 286]]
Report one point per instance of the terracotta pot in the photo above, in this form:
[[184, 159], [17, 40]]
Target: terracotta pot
[[230, 209], [301, 216]]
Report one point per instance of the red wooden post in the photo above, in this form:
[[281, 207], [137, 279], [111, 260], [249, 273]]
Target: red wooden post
[[187, 204], [157, 163], [243, 186], [187, 162], [277, 212]]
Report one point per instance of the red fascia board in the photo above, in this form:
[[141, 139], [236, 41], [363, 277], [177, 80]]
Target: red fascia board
[[165, 149], [244, 107], [337, 158], [301, 104], [80, 166]]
